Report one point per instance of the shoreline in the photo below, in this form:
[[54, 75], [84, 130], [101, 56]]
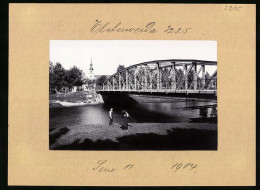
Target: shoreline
[[57, 103]]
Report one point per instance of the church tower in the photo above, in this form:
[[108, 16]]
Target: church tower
[[91, 71]]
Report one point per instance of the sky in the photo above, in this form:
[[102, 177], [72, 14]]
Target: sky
[[106, 55]]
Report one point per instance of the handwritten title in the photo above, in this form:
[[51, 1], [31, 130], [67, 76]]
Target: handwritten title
[[149, 28]]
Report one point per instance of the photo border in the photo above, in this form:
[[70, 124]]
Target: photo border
[[4, 99]]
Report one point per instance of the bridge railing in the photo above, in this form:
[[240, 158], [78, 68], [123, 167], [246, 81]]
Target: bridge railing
[[166, 91], [201, 86]]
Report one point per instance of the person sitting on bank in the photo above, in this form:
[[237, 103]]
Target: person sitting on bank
[[111, 116]]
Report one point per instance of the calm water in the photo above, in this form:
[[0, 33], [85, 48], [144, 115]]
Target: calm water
[[140, 112]]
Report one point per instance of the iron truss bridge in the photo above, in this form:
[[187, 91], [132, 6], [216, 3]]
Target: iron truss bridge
[[174, 77]]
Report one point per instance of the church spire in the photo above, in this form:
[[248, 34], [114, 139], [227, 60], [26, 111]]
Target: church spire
[[91, 71], [91, 65]]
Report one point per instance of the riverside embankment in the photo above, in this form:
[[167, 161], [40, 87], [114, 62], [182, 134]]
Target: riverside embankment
[[74, 99]]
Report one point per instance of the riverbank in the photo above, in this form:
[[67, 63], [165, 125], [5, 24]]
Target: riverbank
[[139, 136], [74, 99]]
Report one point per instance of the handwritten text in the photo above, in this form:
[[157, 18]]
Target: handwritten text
[[149, 28], [184, 166], [103, 166]]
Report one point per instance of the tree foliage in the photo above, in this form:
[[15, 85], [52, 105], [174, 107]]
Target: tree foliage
[[207, 76], [101, 80], [74, 77], [120, 68], [51, 75], [60, 77]]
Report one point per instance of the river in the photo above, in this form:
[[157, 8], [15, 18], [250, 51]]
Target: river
[[173, 112]]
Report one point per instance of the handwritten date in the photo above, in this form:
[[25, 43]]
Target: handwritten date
[[102, 166], [184, 166]]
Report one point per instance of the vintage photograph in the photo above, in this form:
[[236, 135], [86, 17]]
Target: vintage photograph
[[133, 95]]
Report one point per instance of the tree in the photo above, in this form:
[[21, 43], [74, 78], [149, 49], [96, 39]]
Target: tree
[[120, 68], [179, 74], [74, 77], [51, 76], [207, 76], [101, 80], [59, 76], [191, 76]]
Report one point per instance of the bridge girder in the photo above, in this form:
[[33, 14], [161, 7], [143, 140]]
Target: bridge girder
[[161, 75]]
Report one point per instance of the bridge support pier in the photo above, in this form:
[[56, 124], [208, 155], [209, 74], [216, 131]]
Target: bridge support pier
[[119, 81], [185, 77], [113, 83], [173, 77], [158, 77], [145, 78], [150, 80], [195, 76], [126, 79], [203, 81], [135, 79]]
